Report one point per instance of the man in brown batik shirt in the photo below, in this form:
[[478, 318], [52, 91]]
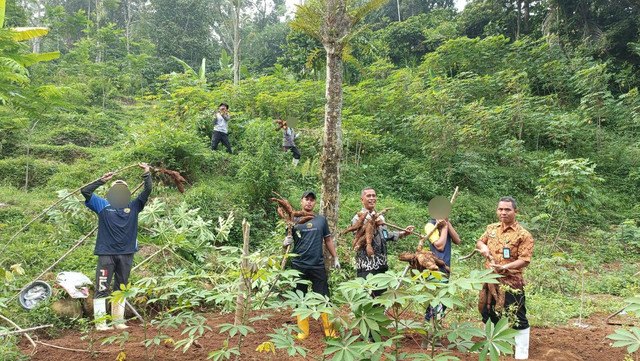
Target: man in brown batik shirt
[[511, 247]]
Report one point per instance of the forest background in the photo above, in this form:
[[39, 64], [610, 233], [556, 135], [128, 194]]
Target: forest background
[[533, 99]]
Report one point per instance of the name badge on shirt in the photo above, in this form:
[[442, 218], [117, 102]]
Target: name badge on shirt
[[506, 253], [385, 234]]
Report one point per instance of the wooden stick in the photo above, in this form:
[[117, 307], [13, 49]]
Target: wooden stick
[[80, 242], [23, 330], [20, 328], [69, 349], [55, 204], [401, 229], [126, 302], [150, 257], [282, 265], [240, 298]]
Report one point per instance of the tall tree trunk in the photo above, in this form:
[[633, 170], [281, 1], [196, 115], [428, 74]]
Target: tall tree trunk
[[337, 25], [518, 17], [236, 42], [26, 177], [98, 51], [127, 26], [332, 142], [525, 16], [398, 5]]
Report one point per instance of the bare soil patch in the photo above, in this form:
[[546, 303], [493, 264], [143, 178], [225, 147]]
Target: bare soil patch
[[568, 343]]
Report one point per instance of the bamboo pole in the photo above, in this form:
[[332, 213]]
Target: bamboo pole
[[150, 257], [69, 349], [78, 243], [20, 328], [135, 312], [24, 330], [55, 204]]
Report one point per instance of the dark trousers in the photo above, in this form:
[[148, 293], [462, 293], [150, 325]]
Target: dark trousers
[[514, 309], [120, 264], [294, 150], [363, 274], [318, 278], [440, 308], [220, 137]]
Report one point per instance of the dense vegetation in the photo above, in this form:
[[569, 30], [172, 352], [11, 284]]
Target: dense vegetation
[[534, 99]]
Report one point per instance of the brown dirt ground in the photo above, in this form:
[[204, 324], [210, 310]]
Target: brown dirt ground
[[568, 343]]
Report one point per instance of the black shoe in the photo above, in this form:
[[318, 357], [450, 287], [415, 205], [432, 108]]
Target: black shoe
[[370, 338]]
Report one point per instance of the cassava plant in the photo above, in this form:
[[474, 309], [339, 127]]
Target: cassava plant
[[629, 337], [367, 316]]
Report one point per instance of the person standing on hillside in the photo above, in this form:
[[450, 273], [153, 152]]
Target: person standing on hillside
[[221, 128], [307, 243], [116, 242], [440, 245], [511, 247], [366, 265], [289, 136]]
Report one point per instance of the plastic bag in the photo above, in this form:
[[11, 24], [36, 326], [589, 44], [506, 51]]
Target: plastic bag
[[74, 283]]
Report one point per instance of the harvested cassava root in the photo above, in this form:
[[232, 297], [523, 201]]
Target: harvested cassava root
[[281, 124], [288, 215], [366, 228], [174, 176], [422, 260], [489, 293]]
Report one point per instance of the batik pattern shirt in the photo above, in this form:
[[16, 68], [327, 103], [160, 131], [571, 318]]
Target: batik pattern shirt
[[377, 263], [520, 244]]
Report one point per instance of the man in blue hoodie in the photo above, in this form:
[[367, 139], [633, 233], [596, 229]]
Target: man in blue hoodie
[[117, 240]]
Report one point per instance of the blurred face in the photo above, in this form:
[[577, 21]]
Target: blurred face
[[308, 203], [369, 199], [222, 109], [118, 195], [506, 213]]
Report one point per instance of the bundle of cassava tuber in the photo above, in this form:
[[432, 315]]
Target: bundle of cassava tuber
[[173, 176], [422, 260], [288, 215], [281, 124], [489, 293], [366, 228]]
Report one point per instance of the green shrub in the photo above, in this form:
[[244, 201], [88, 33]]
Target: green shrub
[[167, 145], [67, 153], [86, 128], [74, 135], [10, 215], [13, 171]]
